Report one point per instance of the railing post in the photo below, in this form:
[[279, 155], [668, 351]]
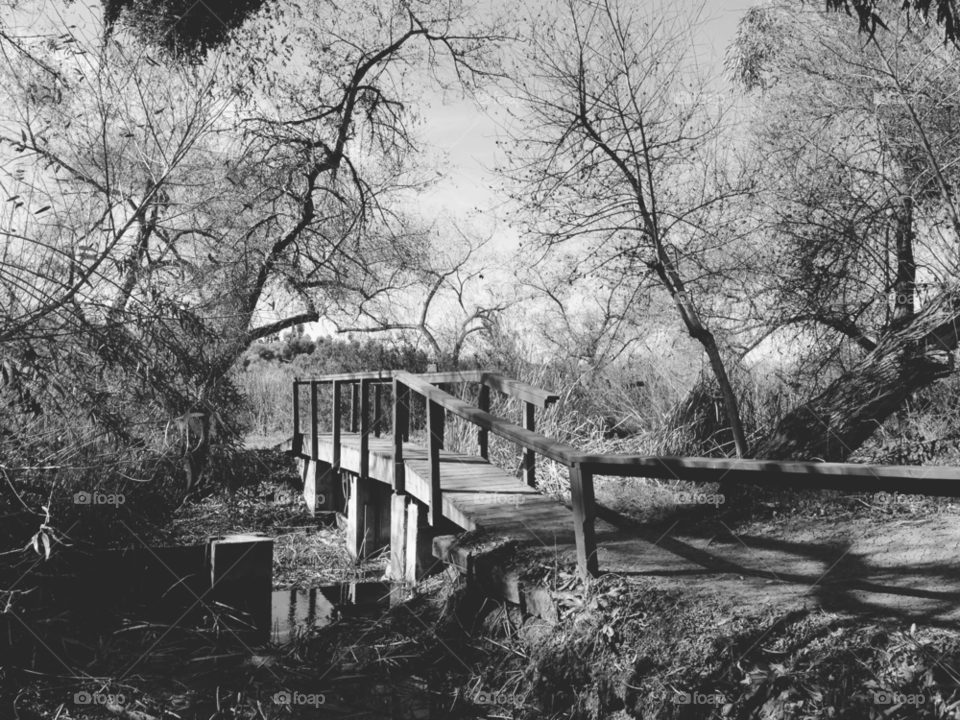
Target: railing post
[[377, 390], [314, 421], [435, 418], [401, 423], [482, 435], [584, 514], [336, 428], [296, 406], [354, 425], [529, 456], [365, 428], [297, 437]]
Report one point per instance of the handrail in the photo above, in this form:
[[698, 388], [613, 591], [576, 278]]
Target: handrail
[[548, 447], [508, 386], [925, 480]]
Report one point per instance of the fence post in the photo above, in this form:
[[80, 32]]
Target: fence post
[[483, 435], [365, 428], [337, 393], [529, 456], [296, 407], [435, 418], [584, 514], [401, 423], [297, 444], [314, 421], [354, 425], [377, 390]]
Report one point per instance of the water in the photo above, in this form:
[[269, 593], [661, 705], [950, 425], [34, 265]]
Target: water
[[296, 612]]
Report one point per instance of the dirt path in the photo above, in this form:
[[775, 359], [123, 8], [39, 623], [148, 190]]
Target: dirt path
[[905, 569]]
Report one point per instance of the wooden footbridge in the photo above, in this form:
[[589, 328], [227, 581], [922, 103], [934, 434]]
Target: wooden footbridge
[[403, 495]]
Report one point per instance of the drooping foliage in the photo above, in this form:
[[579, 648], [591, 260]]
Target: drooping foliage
[[185, 28]]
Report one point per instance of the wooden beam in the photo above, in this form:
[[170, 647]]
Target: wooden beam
[[529, 456], [365, 428], [548, 447], [314, 421], [401, 423], [337, 391], [377, 390], [483, 438], [296, 407], [435, 419], [354, 425], [584, 515], [939, 481], [524, 391]]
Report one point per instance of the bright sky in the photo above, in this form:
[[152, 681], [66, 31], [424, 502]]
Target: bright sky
[[467, 136]]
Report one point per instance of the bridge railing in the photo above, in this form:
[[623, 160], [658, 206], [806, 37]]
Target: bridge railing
[[582, 467], [359, 386]]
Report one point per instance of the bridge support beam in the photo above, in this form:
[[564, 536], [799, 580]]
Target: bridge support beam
[[411, 541], [396, 570], [369, 513], [321, 486], [420, 561]]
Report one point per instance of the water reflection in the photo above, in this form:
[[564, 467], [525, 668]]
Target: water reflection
[[295, 612]]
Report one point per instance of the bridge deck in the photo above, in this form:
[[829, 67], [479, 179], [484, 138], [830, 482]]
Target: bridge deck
[[468, 484]]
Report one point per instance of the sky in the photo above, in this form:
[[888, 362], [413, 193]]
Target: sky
[[465, 136]]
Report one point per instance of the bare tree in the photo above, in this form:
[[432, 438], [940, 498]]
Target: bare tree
[[612, 156], [445, 298]]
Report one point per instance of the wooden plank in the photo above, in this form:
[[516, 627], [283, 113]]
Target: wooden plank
[[584, 515], [296, 407], [529, 458], [925, 480], [314, 419], [524, 391], [483, 438], [383, 376], [548, 447], [354, 425], [401, 422], [365, 428], [435, 433], [337, 388]]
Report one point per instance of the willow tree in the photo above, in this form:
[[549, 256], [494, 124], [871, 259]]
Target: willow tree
[[857, 142], [162, 214]]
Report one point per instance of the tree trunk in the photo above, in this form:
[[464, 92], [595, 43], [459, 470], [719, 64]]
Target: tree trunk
[[912, 355]]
